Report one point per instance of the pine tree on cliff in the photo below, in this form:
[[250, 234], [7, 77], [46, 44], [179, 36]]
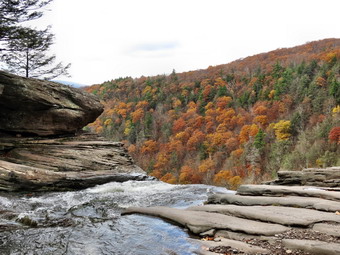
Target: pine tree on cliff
[[14, 12], [23, 50], [28, 55]]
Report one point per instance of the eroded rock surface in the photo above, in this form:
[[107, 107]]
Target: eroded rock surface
[[290, 201], [63, 163], [287, 216], [199, 221], [324, 177], [277, 190], [31, 106]]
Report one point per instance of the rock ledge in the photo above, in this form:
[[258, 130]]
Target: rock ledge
[[63, 163]]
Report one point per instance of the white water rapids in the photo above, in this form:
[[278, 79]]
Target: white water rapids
[[89, 222]]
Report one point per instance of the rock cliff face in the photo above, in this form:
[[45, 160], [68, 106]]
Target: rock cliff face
[[43, 108], [39, 149]]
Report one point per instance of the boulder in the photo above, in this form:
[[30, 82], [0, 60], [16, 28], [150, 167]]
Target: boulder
[[38, 107]]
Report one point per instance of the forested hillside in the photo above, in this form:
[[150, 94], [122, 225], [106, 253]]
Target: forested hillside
[[234, 123]]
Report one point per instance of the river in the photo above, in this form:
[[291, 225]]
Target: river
[[89, 222]]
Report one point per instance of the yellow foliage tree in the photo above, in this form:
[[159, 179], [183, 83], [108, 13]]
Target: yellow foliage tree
[[176, 103], [336, 110], [282, 130], [261, 119], [207, 165], [222, 177], [271, 94], [162, 161], [235, 182], [128, 127], [107, 122]]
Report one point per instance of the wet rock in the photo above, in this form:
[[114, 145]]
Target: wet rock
[[31, 106], [27, 221], [199, 222], [63, 163]]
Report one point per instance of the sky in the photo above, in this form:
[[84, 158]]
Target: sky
[[108, 39]]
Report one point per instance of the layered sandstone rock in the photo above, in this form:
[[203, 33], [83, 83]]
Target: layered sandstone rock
[[41, 145], [63, 163], [31, 106], [324, 177]]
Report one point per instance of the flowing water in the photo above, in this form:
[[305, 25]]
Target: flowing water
[[89, 222]]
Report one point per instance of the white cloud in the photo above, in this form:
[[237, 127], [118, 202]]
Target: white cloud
[[107, 39]]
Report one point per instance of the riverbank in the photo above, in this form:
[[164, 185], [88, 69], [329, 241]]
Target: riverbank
[[263, 219]]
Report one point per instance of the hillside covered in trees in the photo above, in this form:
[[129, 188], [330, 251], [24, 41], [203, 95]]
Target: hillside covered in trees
[[233, 123]]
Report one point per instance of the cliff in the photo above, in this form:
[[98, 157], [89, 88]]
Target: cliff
[[42, 146]]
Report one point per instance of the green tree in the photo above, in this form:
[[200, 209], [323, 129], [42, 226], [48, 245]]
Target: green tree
[[259, 142], [14, 12], [334, 90], [28, 55]]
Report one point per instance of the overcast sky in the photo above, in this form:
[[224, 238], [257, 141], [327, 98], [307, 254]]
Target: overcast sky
[[108, 39]]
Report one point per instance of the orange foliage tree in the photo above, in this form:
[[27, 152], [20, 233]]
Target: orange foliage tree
[[334, 135]]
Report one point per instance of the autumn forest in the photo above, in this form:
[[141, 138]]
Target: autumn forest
[[230, 124]]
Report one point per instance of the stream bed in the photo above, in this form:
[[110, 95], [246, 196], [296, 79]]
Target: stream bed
[[89, 222]]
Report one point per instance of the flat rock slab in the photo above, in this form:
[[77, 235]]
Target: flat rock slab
[[276, 214], [313, 247], [329, 229], [292, 201], [275, 190], [199, 222], [238, 245], [64, 163], [241, 236]]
